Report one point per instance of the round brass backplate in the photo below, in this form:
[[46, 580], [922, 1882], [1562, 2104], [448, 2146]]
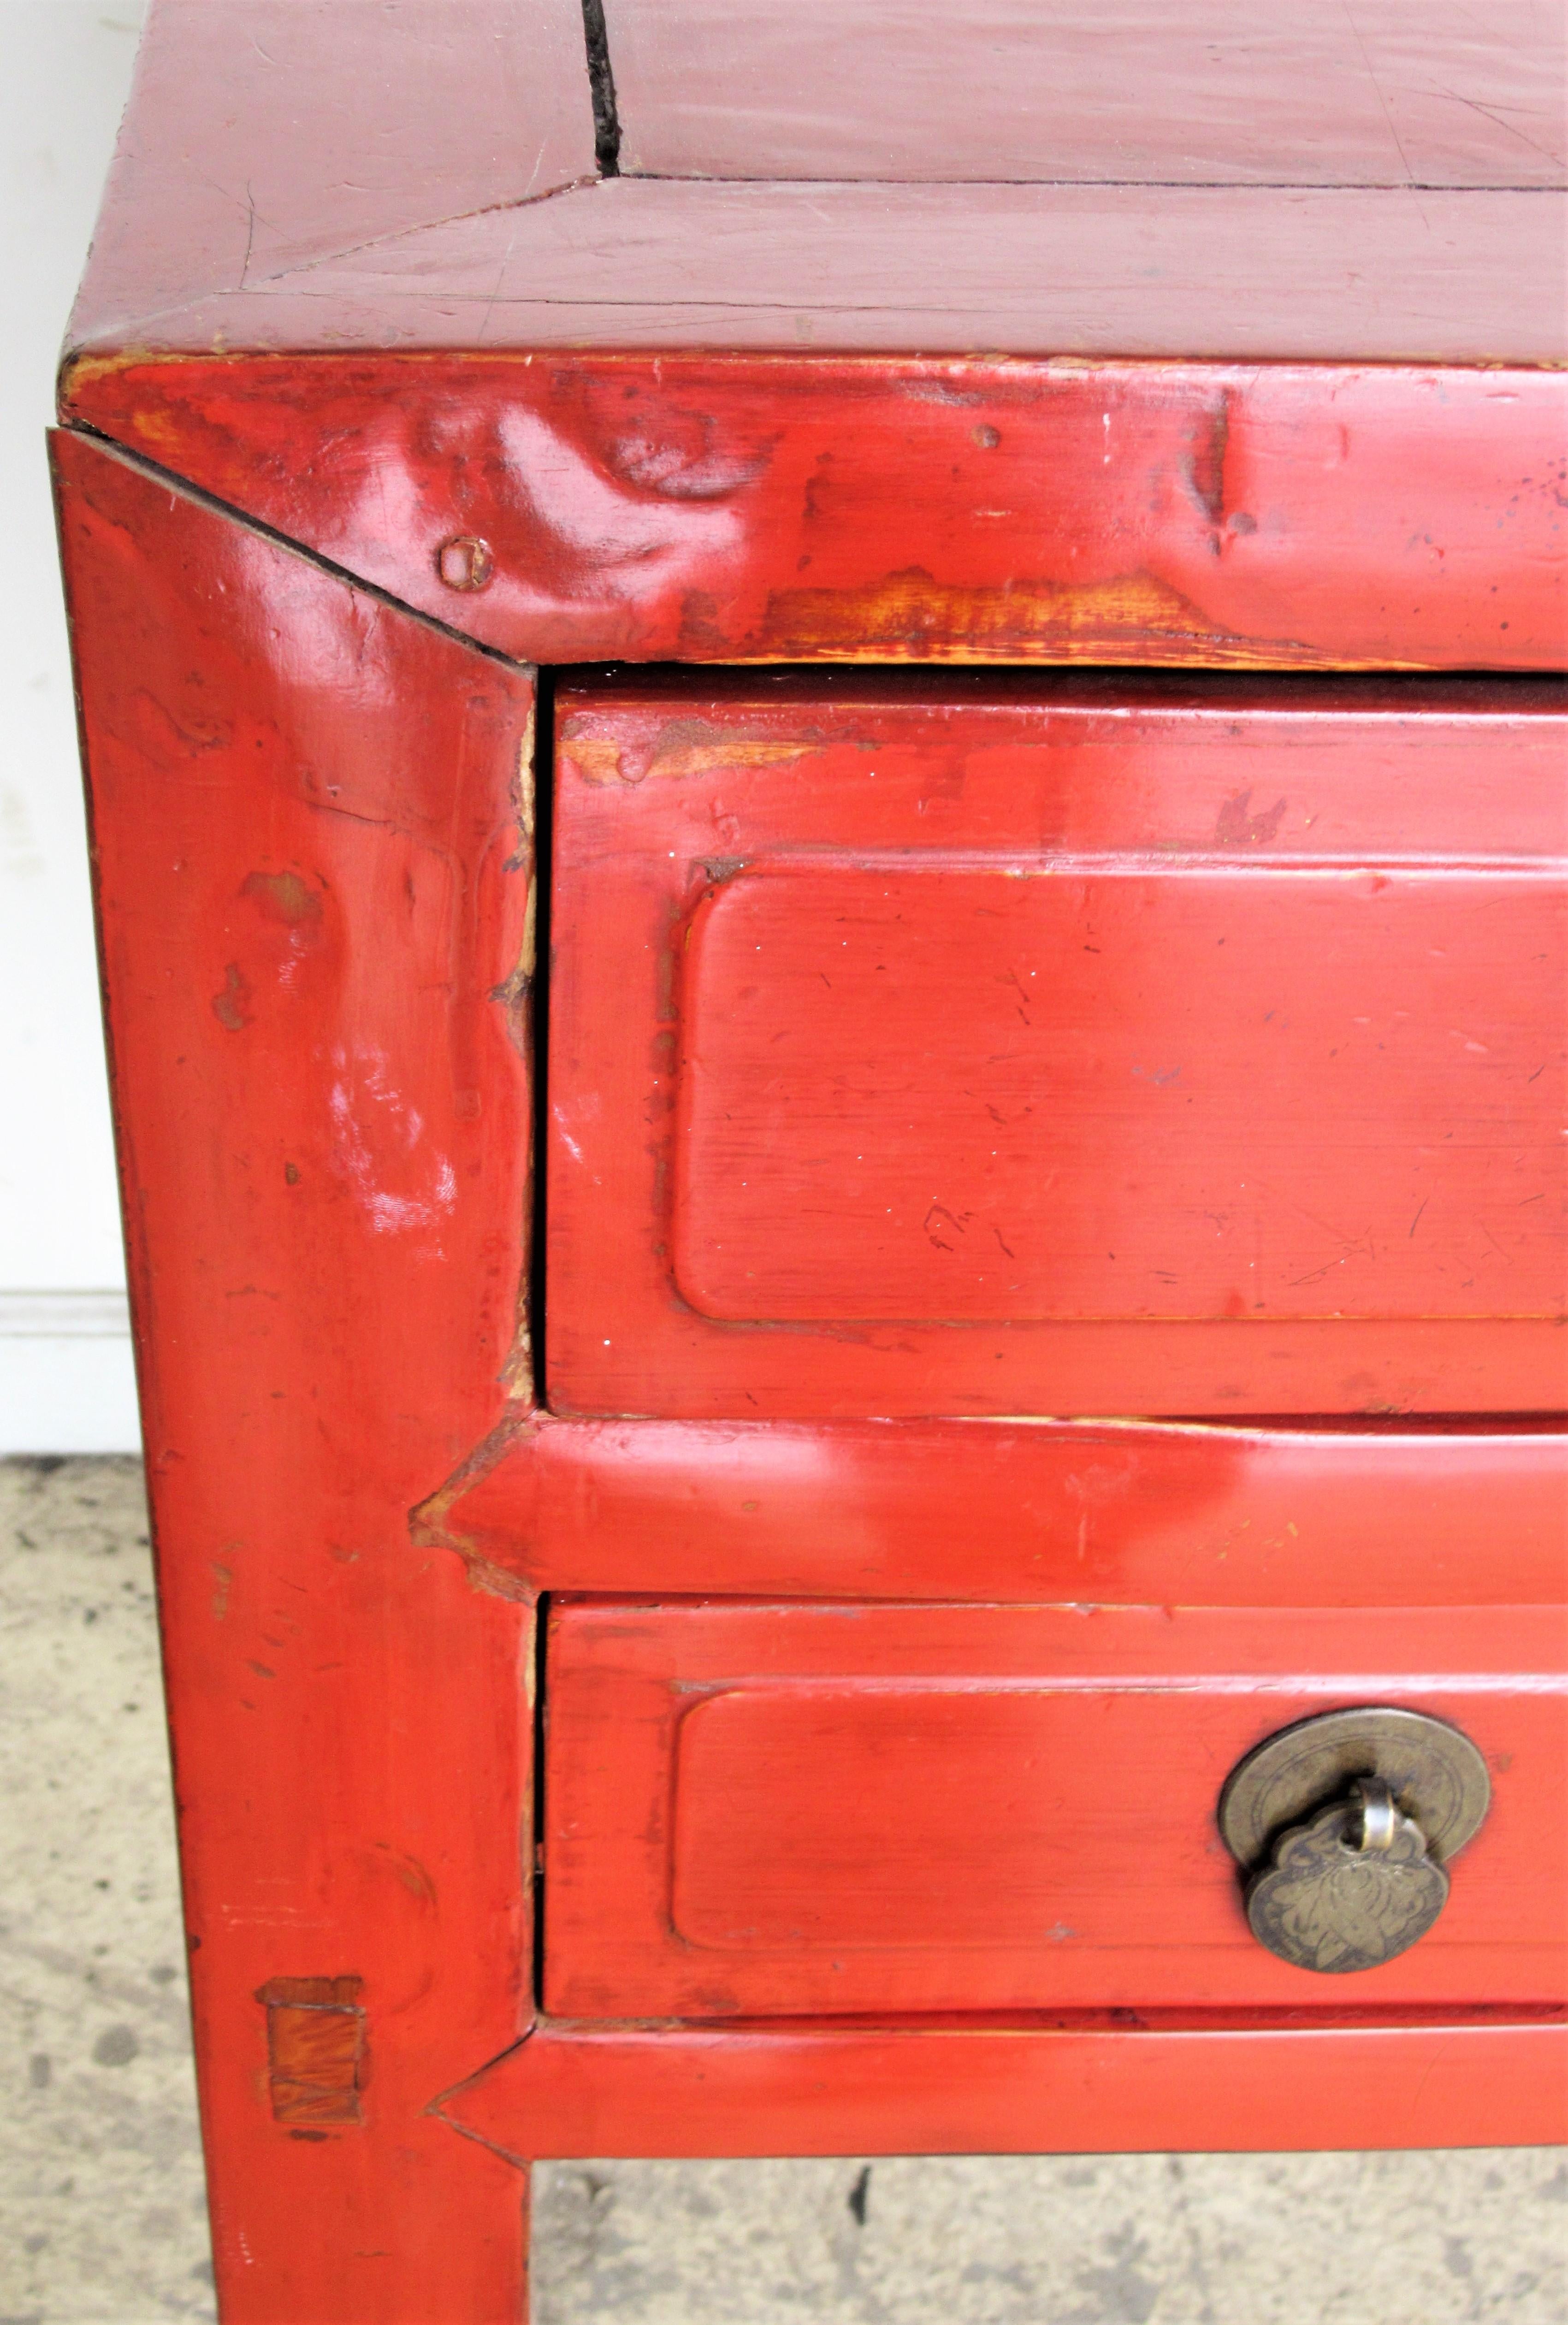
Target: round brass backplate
[[1436, 1773]]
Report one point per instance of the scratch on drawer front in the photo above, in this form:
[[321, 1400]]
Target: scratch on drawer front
[[682, 747]]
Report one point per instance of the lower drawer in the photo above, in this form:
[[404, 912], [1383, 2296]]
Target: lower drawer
[[753, 1808]]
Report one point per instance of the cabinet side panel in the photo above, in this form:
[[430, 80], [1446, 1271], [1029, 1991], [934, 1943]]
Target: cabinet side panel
[[305, 808]]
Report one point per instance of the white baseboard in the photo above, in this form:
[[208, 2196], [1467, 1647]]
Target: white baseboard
[[64, 1316], [67, 1381]]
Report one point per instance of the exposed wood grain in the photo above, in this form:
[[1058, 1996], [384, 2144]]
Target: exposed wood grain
[[303, 809], [316, 2061], [1062, 1051], [1426, 92], [720, 510]]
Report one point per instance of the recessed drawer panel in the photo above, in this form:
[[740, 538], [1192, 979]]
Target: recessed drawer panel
[[1163, 1095], [755, 1809], [1064, 1049]]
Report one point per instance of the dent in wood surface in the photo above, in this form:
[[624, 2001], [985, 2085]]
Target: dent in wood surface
[[682, 747], [715, 510]]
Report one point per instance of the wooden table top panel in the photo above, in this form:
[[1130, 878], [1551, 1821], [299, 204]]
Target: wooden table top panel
[[291, 175], [262, 137], [1257, 274], [1424, 92]]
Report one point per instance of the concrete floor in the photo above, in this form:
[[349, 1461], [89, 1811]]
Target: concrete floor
[[101, 2218]]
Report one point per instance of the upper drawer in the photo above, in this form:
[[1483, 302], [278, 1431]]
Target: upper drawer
[[920, 1045]]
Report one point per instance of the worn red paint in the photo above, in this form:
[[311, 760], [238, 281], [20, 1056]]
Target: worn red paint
[[709, 508], [361, 778], [1274, 426], [326, 1190]]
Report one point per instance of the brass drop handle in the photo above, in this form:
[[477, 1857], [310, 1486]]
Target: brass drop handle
[[1351, 1889], [1344, 1825]]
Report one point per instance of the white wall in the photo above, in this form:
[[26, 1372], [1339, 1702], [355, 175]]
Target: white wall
[[65, 1353]]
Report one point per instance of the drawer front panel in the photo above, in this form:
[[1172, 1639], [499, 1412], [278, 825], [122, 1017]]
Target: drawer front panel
[[783, 1809], [1057, 1051], [1293, 1094]]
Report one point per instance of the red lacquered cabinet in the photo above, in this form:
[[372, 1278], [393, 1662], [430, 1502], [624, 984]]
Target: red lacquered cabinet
[[829, 845]]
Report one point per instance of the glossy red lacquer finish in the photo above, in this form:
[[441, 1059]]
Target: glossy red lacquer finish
[[1154, 2080], [741, 509], [762, 1808], [1109, 1515], [305, 838], [1091, 1049], [408, 388], [325, 1142]]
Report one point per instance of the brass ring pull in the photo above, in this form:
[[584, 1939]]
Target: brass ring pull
[[1379, 1816], [1344, 1825]]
